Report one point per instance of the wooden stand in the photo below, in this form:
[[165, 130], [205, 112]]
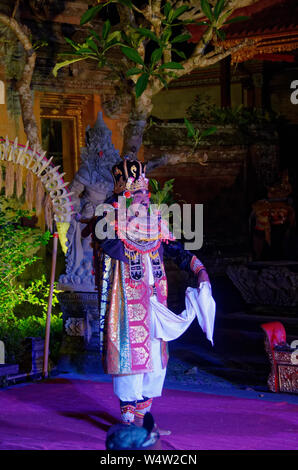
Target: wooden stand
[[48, 323]]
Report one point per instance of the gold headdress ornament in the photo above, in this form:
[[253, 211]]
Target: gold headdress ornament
[[129, 175]]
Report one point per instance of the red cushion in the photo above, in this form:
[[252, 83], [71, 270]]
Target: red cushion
[[275, 332]]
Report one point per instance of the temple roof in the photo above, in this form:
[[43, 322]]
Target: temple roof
[[273, 26], [281, 17]]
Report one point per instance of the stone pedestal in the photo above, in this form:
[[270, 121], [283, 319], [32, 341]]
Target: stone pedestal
[[80, 343], [32, 358]]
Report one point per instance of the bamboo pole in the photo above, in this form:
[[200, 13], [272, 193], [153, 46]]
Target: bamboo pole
[[49, 311]]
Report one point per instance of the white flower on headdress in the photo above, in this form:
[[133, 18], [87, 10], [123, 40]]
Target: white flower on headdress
[[130, 180]]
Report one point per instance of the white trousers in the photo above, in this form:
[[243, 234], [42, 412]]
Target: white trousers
[[137, 386], [168, 326]]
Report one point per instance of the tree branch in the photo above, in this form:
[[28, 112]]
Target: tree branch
[[199, 61], [18, 31], [211, 58], [156, 16], [196, 13], [15, 8], [236, 4]]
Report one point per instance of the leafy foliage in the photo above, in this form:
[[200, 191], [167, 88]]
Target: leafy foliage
[[217, 17], [154, 62], [164, 197], [206, 113], [14, 330], [18, 247], [196, 134]]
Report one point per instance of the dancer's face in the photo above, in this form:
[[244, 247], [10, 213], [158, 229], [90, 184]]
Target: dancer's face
[[141, 197]]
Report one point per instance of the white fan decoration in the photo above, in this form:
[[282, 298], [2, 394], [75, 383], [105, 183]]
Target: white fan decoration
[[48, 175]]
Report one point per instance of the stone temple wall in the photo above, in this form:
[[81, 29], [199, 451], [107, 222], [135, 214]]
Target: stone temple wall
[[241, 164]]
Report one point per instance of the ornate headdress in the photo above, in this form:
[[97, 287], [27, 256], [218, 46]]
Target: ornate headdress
[[129, 175], [149, 230]]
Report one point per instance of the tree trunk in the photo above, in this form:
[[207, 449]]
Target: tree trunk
[[133, 137], [23, 85], [26, 100], [134, 130]]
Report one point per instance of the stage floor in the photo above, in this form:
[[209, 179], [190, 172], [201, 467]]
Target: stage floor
[[75, 414]]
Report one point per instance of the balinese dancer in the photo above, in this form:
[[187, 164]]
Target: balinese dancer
[[135, 323]]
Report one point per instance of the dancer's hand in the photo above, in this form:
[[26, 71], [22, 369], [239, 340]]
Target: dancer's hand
[[203, 276]]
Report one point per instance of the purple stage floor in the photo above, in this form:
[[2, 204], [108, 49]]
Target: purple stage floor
[[72, 414]]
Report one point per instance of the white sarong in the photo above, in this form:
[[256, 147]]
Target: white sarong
[[168, 326], [199, 303]]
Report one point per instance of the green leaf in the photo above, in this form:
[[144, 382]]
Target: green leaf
[[114, 35], [219, 8], [179, 53], [178, 12], [94, 34], [206, 9], [132, 54], [92, 44], [133, 71], [154, 184], [163, 81], [106, 29], [111, 44], [238, 18], [171, 65], [72, 43], [90, 14], [156, 55], [166, 34], [209, 131], [190, 128], [148, 34], [65, 63], [181, 38], [84, 50], [223, 17], [221, 34], [141, 84], [169, 184], [167, 9]]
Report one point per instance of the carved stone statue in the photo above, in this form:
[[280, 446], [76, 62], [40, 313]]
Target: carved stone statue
[[272, 223], [271, 279], [91, 186]]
